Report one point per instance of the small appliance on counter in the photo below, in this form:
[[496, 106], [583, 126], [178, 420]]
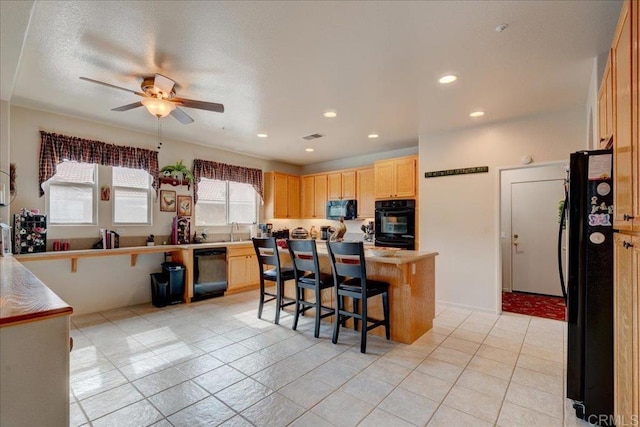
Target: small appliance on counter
[[299, 233], [325, 233], [369, 231], [265, 230], [281, 234]]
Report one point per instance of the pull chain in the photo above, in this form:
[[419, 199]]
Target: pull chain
[[159, 134]]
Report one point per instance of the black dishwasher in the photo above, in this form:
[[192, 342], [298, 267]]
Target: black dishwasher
[[209, 273]]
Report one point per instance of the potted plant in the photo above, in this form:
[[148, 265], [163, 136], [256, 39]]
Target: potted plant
[[178, 172], [150, 240]]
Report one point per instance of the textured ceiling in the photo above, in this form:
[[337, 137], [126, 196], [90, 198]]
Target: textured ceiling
[[277, 66]]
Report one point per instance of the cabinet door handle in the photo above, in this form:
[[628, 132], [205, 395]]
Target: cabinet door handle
[[627, 245], [627, 217]]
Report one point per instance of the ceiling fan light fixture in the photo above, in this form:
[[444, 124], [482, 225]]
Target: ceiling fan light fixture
[[449, 78], [158, 107]]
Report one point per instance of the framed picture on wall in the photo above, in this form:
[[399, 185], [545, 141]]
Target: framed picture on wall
[[167, 201], [184, 205]]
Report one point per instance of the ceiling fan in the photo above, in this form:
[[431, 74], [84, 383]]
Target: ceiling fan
[[159, 98]]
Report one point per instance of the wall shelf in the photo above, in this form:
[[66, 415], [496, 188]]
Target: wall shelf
[[174, 181]]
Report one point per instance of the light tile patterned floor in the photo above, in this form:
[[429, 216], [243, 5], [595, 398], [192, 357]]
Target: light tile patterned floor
[[214, 363]]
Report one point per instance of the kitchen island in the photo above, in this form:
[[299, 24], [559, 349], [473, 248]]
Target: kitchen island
[[411, 276]]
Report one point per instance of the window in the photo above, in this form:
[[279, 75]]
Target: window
[[72, 194], [131, 196], [224, 202]]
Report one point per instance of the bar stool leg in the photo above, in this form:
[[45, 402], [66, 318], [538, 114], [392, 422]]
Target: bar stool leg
[[299, 306], [316, 330], [363, 331], [385, 308], [278, 300], [356, 309], [261, 305], [337, 320]]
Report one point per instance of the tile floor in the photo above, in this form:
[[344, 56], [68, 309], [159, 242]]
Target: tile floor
[[214, 363]]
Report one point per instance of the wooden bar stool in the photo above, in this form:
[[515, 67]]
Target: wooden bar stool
[[308, 276], [267, 254], [350, 278]]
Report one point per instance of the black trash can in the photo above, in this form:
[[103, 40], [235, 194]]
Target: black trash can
[[175, 274], [159, 289]]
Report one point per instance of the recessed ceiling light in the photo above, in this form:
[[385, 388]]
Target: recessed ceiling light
[[373, 135], [330, 114], [477, 114], [308, 150], [449, 78], [263, 135]]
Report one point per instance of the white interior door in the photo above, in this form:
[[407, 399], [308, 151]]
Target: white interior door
[[534, 236]]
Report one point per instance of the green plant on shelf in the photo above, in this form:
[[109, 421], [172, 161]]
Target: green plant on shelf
[[177, 171]]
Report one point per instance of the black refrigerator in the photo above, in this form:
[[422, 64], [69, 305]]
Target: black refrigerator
[[590, 286]]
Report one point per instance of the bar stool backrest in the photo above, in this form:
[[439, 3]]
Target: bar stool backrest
[[267, 253], [304, 255], [347, 260]]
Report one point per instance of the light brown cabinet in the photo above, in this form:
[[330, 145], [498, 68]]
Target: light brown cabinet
[[282, 195], [366, 193], [625, 138], [341, 185], [314, 196], [605, 106], [242, 269], [624, 70], [626, 327], [395, 178]]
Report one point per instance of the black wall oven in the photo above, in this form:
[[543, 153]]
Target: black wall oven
[[396, 223]]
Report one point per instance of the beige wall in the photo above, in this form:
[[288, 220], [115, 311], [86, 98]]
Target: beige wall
[[4, 156], [459, 214], [25, 145]]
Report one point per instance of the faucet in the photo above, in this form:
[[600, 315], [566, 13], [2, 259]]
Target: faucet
[[237, 228]]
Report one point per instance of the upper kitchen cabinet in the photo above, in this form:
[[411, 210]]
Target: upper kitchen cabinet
[[341, 185], [281, 195], [625, 120], [314, 196], [395, 178], [366, 193], [605, 105]]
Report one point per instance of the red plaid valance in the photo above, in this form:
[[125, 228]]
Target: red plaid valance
[[224, 172], [55, 148]]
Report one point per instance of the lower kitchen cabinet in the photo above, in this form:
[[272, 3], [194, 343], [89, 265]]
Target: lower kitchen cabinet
[[626, 329], [242, 269]]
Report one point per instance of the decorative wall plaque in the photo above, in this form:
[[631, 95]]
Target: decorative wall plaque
[[462, 171]]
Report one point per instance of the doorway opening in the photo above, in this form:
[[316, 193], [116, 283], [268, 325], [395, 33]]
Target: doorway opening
[[531, 200]]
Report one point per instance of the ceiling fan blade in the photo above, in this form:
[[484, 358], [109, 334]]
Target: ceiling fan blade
[[182, 117], [165, 84], [112, 86], [128, 107], [201, 105]]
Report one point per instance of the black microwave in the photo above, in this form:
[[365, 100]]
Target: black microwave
[[346, 209]]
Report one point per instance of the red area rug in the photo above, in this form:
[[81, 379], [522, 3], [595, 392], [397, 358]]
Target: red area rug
[[534, 305]]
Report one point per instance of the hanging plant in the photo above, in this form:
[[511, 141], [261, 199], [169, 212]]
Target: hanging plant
[[177, 171]]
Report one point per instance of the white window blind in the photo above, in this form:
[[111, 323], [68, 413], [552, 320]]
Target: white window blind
[[131, 196], [71, 193], [224, 202]]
